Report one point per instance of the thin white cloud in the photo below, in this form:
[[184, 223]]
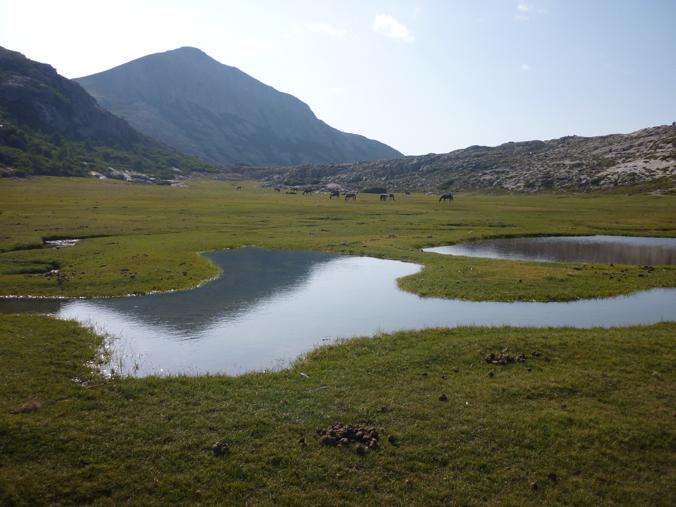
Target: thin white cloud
[[523, 7], [389, 26], [328, 29], [526, 10], [525, 67]]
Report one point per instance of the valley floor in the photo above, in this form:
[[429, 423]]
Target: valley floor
[[590, 421], [144, 238], [587, 420]]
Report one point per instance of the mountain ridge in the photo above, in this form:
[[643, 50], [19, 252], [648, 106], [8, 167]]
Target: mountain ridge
[[567, 163], [188, 100], [51, 125]]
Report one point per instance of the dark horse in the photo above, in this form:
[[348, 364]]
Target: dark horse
[[306, 191], [351, 195], [446, 197], [385, 197], [334, 193]]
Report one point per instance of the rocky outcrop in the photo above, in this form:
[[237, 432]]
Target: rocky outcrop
[[568, 163]]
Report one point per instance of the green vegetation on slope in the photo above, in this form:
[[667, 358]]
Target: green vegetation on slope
[[24, 151], [50, 125], [152, 235], [589, 422]]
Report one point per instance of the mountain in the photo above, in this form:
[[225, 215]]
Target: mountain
[[190, 101], [577, 163], [51, 125]]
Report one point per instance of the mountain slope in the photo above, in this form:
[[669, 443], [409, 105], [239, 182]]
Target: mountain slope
[[568, 163], [190, 101], [51, 125]]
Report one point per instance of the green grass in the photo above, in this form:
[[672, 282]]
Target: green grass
[[153, 234], [597, 410]]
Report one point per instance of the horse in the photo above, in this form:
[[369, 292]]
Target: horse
[[334, 193], [391, 196], [385, 197], [407, 192], [446, 197], [351, 195], [239, 187], [306, 191], [277, 190]]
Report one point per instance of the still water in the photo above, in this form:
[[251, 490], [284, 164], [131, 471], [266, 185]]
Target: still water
[[599, 249], [269, 307]]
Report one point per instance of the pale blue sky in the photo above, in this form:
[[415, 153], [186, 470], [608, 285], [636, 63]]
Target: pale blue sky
[[422, 76]]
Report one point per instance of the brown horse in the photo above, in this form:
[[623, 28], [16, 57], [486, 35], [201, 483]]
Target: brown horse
[[351, 195], [334, 193], [446, 197], [385, 197]]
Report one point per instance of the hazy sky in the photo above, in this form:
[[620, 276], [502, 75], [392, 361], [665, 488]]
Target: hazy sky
[[422, 76]]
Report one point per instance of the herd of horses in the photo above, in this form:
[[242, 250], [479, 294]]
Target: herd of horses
[[353, 195]]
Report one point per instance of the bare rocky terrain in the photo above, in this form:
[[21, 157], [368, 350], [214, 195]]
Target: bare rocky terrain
[[571, 163]]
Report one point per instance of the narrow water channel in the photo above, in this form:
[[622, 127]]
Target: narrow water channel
[[269, 307]]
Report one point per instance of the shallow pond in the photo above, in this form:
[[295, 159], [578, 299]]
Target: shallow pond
[[599, 249], [269, 307]]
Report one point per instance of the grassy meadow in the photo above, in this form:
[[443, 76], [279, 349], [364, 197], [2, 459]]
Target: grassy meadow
[[587, 420], [149, 236]]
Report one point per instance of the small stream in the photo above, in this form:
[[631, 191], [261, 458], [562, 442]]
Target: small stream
[[596, 249], [269, 307]]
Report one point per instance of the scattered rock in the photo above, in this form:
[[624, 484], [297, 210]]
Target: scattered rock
[[301, 441], [553, 477], [536, 353], [220, 448], [443, 397], [345, 435], [491, 374], [503, 358], [392, 439], [534, 486]]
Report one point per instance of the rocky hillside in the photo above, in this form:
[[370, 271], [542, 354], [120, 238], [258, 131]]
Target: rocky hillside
[[568, 163], [190, 101], [51, 125]]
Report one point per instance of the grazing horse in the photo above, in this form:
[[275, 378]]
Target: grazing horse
[[446, 197], [392, 196], [334, 193], [239, 187], [385, 197], [351, 195]]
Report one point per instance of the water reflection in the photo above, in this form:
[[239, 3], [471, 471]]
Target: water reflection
[[271, 306], [598, 249]]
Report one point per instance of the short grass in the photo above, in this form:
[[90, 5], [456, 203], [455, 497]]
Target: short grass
[[596, 409], [149, 236]]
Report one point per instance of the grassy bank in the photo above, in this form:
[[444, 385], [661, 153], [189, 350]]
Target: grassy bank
[[589, 422], [149, 236]]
